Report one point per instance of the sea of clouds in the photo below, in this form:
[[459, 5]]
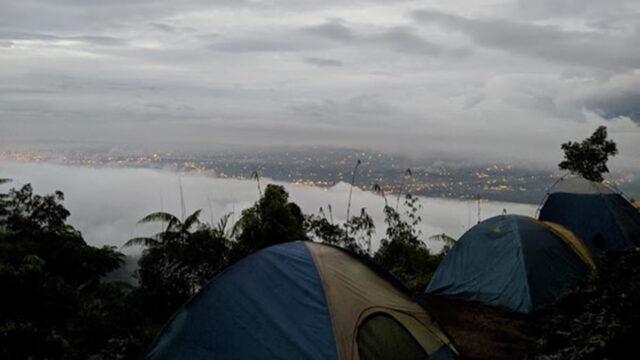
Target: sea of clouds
[[106, 203]]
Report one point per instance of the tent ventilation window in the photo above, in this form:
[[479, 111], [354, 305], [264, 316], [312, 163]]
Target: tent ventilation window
[[382, 337]]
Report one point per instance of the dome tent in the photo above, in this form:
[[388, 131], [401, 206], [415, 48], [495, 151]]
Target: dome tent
[[597, 214], [514, 262], [301, 300]]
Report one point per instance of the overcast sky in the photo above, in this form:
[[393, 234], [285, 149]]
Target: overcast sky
[[507, 80]]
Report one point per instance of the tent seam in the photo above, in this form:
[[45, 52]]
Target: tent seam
[[524, 263], [330, 304]]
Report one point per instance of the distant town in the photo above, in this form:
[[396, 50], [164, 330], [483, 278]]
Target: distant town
[[325, 168]]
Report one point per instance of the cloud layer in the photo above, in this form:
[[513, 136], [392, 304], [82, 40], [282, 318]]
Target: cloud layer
[[487, 80], [106, 203]]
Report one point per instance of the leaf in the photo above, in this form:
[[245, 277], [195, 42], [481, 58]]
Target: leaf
[[159, 216], [191, 220], [141, 241]]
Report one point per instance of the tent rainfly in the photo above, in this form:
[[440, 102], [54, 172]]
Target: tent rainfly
[[597, 214], [302, 300], [513, 262]]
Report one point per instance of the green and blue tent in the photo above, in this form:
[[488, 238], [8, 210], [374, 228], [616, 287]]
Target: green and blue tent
[[513, 262], [595, 212], [302, 300]]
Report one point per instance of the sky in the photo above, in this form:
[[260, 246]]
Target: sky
[[106, 203], [484, 80]]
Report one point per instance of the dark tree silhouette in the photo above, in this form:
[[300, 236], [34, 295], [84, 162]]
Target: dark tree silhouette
[[407, 175], [175, 230], [353, 235], [589, 157], [3, 203], [353, 181], [271, 220], [402, 252], [179, 260], [52, 304], [26, 210]]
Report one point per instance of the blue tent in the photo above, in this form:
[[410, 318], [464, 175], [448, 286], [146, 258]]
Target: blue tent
[[514, 262], [301, 300], [600, 216]]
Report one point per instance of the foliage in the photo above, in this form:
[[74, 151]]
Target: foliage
[[179, 260], [448, 241], [49, 276], [26, 210], [187, 254], [3, 204], [601, 319], [407, 175], [255, 175], [402, 252], [360, 228], [272, 220], [353, 235], [353, 181], [589, 157]]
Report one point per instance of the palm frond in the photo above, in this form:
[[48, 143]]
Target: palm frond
[[159, 216], [192, 219], [223, 223], [377, 189], [448, 240], [407, 174], [321, 212], [255, 175], [141, 241]]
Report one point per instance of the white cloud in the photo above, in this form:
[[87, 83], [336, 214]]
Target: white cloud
[[105, 203], [460, 82]]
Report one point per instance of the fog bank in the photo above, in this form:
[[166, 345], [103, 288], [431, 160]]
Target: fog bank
[[106, 203]]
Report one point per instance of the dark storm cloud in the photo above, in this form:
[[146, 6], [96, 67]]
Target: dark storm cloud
[[571, 8], [400, 38], [334, 30], [323, 62], [353, 112], [617, 103], [249, 45], [585, 48], [327, 35], [165, 27]]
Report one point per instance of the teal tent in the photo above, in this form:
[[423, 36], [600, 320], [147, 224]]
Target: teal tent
[[302, 300], [597, 214], [514, 262]]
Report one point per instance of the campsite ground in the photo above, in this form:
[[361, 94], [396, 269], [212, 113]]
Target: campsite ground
[[482, 332]]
